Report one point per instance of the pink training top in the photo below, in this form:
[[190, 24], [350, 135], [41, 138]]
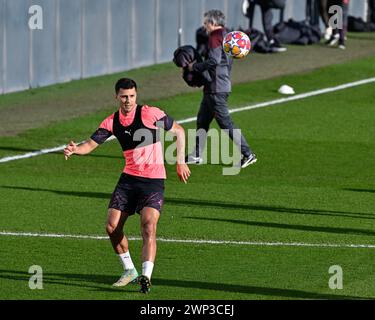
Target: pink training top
[[144, 161]]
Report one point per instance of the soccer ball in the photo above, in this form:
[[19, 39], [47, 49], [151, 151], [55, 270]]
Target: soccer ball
[[236, 44]]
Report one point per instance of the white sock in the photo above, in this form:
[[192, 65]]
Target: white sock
[[147, 268], [126, 260]]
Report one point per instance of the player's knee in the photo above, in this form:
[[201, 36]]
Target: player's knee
[[149, 230], [110, 229]]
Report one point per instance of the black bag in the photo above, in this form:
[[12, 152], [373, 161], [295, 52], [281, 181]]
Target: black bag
[[358, 25], [182, 57], [201, 38], [297, 32]]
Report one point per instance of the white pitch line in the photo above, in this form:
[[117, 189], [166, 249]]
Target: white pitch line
[[194, 241], [295, 97], [305, 95], [32, 154], [187, 120]]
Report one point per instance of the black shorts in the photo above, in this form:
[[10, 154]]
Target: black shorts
[[133, 193]]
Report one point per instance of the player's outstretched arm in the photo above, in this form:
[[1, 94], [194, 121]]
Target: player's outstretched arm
[[183, 170], [81, 149]]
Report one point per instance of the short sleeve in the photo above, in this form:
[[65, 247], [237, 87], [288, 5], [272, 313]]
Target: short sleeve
[[101, 135], [153, 118], [156, 113], [165, 123], [104, 131], [107, 123]]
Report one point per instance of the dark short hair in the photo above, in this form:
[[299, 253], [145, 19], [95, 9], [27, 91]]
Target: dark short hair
[[125, 83]]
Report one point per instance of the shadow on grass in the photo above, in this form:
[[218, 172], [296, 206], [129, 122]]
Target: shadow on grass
[[255, 290], [251, 207], [346, 231], [103, 283], [360, 190], [210, 204], [70, 280], [83, 194]]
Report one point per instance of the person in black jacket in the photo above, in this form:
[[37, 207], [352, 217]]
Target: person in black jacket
[[182, 57], [216, 92]]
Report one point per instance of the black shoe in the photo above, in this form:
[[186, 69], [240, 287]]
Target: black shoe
[[276, 46], [145, 283], [342, 44], [333, 40], [246, 161]]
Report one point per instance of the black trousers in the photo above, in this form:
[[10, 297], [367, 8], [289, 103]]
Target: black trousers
[[323, 9], [371, 11], [215, 106], [312, 12], [267, 17]]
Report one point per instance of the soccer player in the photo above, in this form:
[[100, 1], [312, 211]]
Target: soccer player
[[141, 185], [216, 92]]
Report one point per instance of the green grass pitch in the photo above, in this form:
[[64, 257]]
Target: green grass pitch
[[314, 183]]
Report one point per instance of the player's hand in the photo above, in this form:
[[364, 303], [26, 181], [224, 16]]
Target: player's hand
[[70, 149], [183, 172], [190, 65]]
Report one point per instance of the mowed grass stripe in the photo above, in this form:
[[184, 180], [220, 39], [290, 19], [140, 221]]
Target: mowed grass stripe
[[195, 241]]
